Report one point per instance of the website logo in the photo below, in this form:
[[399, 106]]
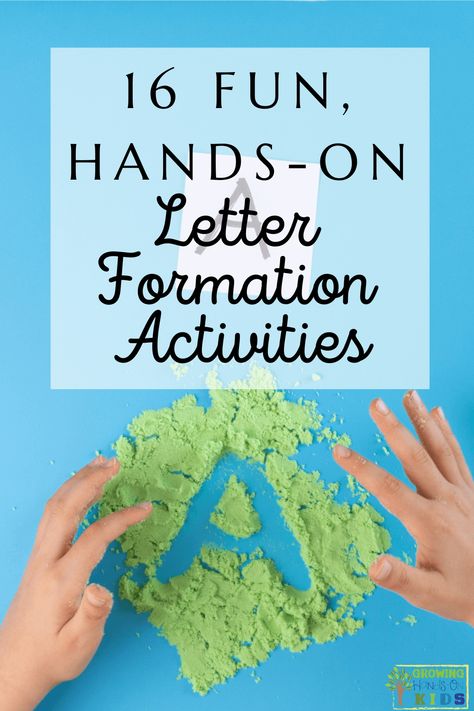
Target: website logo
[[418, 687]]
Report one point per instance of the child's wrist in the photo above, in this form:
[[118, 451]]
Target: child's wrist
[[22, 695]]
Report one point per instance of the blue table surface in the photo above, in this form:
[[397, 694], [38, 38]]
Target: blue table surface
[[48, 433]]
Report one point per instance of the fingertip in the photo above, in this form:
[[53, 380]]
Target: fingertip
[[341, 452], [379, 407], [131, 516], [438, 412], [109, 466], [380, 569], [144, 508], [136, 513], [112, 464], [412, 401], [99, 597]]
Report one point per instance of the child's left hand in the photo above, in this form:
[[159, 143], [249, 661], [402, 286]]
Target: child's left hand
[[56, 620]]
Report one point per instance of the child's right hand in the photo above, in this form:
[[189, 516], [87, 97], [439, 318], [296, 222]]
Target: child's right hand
[[439, 514], [56, 620]]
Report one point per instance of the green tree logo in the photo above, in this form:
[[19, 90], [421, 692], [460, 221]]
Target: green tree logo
[[399, 681]]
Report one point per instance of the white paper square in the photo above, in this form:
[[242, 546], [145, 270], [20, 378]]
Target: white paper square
[[290, 191]]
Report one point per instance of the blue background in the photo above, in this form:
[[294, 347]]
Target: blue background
[[40, 426]]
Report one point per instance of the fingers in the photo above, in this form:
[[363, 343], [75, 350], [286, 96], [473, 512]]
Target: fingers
[[395, 496], [419, 587], [445, 428], [87, 624], [66, 509], [90, 547], [432, 437], [416, 461]]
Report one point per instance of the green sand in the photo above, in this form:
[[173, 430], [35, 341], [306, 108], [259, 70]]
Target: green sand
[[229, 611], [235, 513]]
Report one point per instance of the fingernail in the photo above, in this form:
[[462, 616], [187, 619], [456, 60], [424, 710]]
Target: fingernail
[[147, 505], [381, 569], [98, 596], [414, 398], [381, 407], [98, 460], [342, 452], [440, 412], [110, 463]]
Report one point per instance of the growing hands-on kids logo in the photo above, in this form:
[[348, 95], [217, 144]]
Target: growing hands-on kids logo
[[429, 686]]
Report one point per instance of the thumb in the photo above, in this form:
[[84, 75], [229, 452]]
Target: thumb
[[90, 618], [413, 584]]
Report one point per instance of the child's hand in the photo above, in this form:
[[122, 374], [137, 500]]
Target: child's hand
[[56, 620], [439, 515]]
